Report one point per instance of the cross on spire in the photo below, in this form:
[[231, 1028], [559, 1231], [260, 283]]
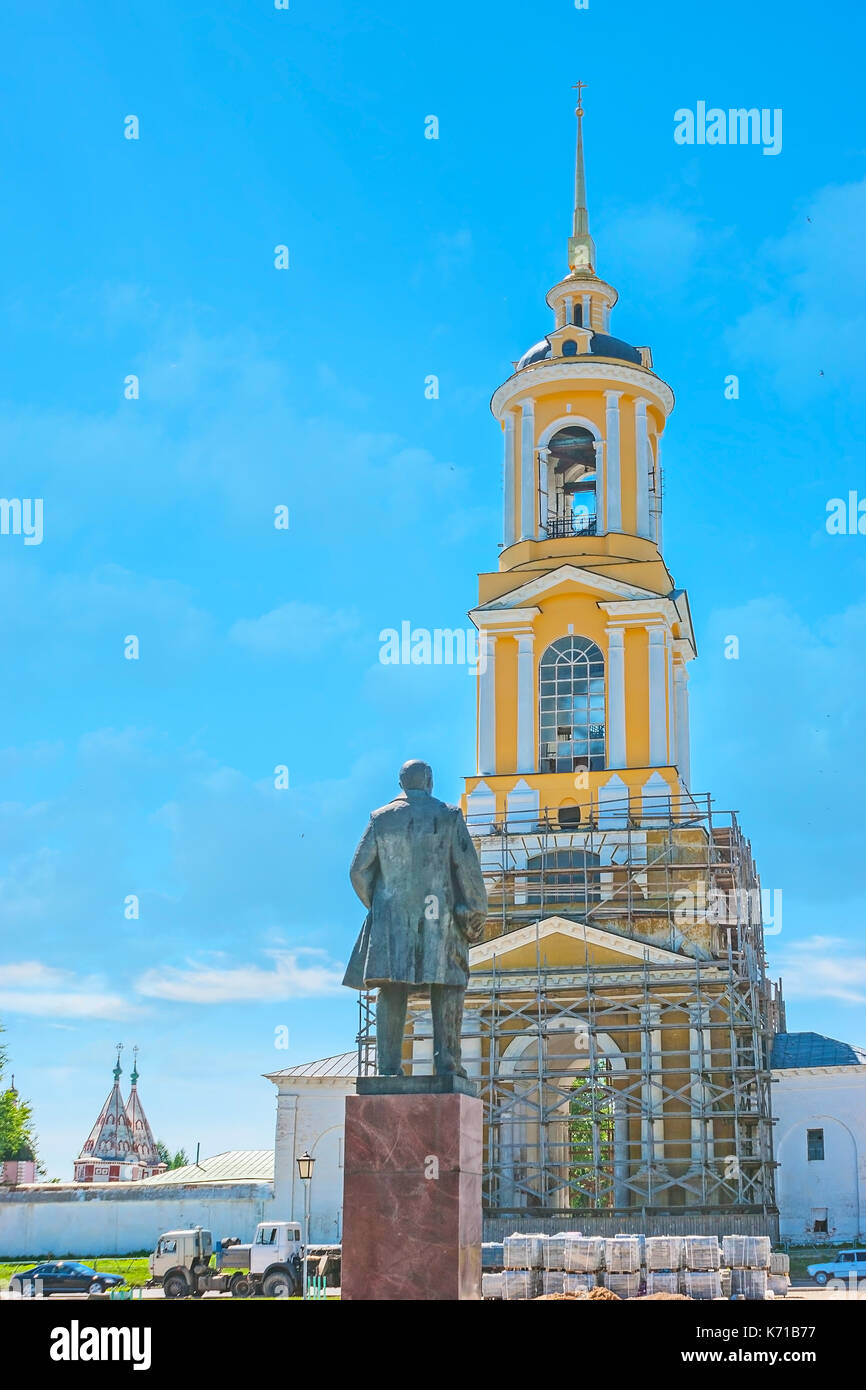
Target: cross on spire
[[578, 87], [118, 1068]]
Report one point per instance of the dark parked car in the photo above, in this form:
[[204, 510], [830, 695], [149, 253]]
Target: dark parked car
[[63, 1276]]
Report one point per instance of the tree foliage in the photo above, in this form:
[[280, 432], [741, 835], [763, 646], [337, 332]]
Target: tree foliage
[[177, 1160], [17, 1139]]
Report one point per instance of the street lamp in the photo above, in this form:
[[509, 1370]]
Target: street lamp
[[305, 1172]]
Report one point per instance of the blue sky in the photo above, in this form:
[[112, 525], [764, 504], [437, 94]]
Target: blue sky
[[259, 387]]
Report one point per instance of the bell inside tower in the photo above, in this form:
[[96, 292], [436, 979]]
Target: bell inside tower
[[572, 480]]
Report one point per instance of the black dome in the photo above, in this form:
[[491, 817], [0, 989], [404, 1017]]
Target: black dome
[[600, 345]]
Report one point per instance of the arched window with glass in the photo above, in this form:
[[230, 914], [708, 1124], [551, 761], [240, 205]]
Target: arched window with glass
[[571, 707]]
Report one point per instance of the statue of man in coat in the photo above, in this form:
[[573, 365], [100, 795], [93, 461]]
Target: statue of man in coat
[[417, 873]]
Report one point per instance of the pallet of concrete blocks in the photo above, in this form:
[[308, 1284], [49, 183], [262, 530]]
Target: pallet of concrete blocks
[[626, 1283], [664, 1252], [701, 1252], [780, 1262], [748, 1283], [702, 1283], [726, 1282], [554, 1251], [746, 1252], [520, 1284], [663, 1281], [778, 1285], [523, 1252], [584, 1254], [580, 1283], [622, 1255], [553, 1280], [491, 1285]]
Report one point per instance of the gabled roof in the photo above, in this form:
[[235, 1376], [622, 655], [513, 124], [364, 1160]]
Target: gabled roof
[[342, 1064], [813, 1050], [235, 1165]]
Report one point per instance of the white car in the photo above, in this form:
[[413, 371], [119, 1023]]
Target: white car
[[842, 1266]]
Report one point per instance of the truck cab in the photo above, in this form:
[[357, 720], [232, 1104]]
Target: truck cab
[[180, 1248], [270, 1266], [275, 1242]]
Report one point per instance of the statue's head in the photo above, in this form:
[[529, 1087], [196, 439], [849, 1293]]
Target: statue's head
[[416, 776]]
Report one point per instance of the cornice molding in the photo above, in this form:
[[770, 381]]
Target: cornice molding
[[600, 370]]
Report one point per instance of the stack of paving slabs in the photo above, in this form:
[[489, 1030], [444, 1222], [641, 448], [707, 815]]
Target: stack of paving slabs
[[622, 1265], [523, 1252], [779, 1277], [554, 1251], [748, 1258], [584, 1255], [702, 1259], [579, 1283], [491, 1285], [663, 1281], [521, 1284], [524, 1258], [553, 1280]]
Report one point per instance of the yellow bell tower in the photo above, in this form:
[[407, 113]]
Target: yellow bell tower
[[582, 688]]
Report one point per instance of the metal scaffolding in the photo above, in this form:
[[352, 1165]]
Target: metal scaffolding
[[619, 1090]]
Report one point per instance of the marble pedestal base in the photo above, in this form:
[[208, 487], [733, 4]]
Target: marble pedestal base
[[412, 1197]]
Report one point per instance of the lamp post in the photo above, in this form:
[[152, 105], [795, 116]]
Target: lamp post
[[305, 1173]]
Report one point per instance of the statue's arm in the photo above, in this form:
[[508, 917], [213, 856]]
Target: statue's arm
[[364, 865], [471, 908]]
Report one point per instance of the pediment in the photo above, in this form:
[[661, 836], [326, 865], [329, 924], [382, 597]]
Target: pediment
[[561, 942], [575, 575]]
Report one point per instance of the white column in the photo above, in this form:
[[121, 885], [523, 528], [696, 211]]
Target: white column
[[543, 455], [700, 1064], [600, 489], [509, 529], [487, 707], [653, 1126], [613, 484], [658, 741], [681, 689], [525, 704], [587, 311], [569, 305], [671, 702], [616, 750], [527, 470], [641, 463], [657, 513]]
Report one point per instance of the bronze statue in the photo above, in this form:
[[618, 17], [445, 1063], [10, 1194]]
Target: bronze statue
[[417, 873]]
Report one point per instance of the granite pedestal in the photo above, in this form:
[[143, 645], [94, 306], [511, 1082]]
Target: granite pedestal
[[412, 1191]]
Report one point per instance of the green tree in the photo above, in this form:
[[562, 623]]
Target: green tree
[[178, 1160], [591, 1125], [17, 1139]]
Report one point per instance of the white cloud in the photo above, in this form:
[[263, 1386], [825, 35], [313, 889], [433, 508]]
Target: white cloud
[[822, 967], [293, 629], [300, 974], [31, 987]]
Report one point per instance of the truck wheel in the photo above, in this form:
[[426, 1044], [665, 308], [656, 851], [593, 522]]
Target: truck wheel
[[175, 1285], [240, 1287], [278, 1284]]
